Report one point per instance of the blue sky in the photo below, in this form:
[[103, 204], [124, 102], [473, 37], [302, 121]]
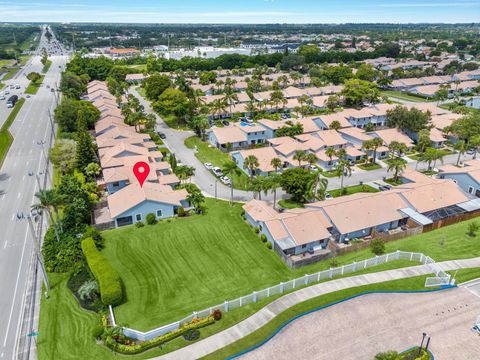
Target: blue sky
[[241, 11]]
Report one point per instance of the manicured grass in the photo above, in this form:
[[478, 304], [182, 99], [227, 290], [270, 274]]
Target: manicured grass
[[208, 153], [33, 87], [289, 204], [11, 72], [6, 138], [443, 152], [415, 283], [349, 190], [6, 62], [141, 91], [369, 166], [463, 275], [72, 339], [404, 96], [330, 173], [46, 66], [192, 263], [392, 182]]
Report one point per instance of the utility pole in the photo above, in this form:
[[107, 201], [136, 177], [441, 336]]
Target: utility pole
[[38, 254]]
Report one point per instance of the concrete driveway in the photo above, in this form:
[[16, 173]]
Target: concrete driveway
[[364, 326]]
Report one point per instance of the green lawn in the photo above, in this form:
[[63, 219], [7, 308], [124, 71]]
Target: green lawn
[[46, 66], [33, 87], [404, 96], [330, 173], [415, 283], [10, 73], [289, 204], [6, 138], [369, 166], [208, 153], [349, 190], [443, 152], [392, 182]]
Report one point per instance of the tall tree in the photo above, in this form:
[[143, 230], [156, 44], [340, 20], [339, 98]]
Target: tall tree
[[397, 166], [230, 169], [85, 153], [251, 163]]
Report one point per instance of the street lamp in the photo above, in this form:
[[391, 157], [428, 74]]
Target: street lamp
[[38, 254]]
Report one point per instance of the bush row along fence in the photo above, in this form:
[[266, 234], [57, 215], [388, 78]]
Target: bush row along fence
[[440, 278]]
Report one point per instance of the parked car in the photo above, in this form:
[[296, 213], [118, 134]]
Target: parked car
[[209, 166], [225, 123], [312, 167], [384, 187], [7, 92], [471, 152], [248, 120], [226, 180], [2, 97], [162, 135], [328, 196], [217, 171]]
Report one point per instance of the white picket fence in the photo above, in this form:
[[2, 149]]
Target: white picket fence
[[441, 278]]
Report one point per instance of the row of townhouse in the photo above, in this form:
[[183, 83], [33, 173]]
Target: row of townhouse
[[420, 202], [317, 95], [464, 82], [467, 177], [120, 147], [317, 136]]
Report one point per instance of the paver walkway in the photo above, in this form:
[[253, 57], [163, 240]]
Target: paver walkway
[[266, 314]]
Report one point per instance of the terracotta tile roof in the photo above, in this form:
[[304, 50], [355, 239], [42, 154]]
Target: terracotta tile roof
[[133, 195], [340, 117], [389, 135], [331, 137], [355, 133], [264, 156], [229, 134]]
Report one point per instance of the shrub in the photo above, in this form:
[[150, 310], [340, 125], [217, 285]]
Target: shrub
[[149, 344], [108, 279], [377, 246], [472, 229], [95, 235], [97, 331], [333, 263], [269, 245], [88, 290], [191, 335], [139, 224], [181, 212], [257, 230], [151, 219], [217, 314], [263, 237]]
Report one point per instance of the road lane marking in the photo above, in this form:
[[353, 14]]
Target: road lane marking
[[19, 194]]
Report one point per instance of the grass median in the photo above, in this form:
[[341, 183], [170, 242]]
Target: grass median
[[46, 66], [33, 87], [6, 138]]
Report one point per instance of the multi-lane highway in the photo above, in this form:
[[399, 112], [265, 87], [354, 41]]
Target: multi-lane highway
[[31, 130]]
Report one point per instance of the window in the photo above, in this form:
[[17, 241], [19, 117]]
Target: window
[[116, 184], [159, 213], [470, 189], [138, 217]]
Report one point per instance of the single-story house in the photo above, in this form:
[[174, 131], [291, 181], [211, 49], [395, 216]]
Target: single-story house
[[237, 136], [132, 203], [467, 177], [264, 156]]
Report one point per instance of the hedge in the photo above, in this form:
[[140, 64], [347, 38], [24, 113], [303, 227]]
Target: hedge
[[108, 279], [149, 344]]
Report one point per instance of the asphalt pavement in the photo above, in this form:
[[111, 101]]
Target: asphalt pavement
[[32, 132]]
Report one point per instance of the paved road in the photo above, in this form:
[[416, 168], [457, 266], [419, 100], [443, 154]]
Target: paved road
[[364, 326], [32, 125], [270, 311], [206, 180]]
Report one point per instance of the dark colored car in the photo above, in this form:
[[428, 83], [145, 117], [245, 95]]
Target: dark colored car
[[225, 123], [162, 135]]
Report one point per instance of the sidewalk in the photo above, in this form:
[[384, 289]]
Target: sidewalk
[[266, 314]]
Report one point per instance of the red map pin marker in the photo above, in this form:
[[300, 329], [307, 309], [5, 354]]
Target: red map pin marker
[[141, 171]]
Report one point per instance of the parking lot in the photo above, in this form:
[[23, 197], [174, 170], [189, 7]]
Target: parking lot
[[362, 327]]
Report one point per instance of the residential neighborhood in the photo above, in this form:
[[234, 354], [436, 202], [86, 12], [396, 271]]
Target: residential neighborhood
[[207, 180]]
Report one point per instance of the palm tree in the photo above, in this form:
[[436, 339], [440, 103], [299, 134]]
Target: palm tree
[[196, 199], [302, 100], [218, 107], [251, 107], [276, 163], [257, 185], [251, 163], [300, 156], [397, 166], [48, 200], [229, 98], [461, 147], [343, 169], [474, 143], [376, 143], [367, 146], [272, 182], [317, 187], [311, 158], [230, 168], [330, 153]]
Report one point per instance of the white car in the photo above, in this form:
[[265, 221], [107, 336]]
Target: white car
[[7, 92], [226, 180], [209, 166], [2, 97], [217, 171]]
